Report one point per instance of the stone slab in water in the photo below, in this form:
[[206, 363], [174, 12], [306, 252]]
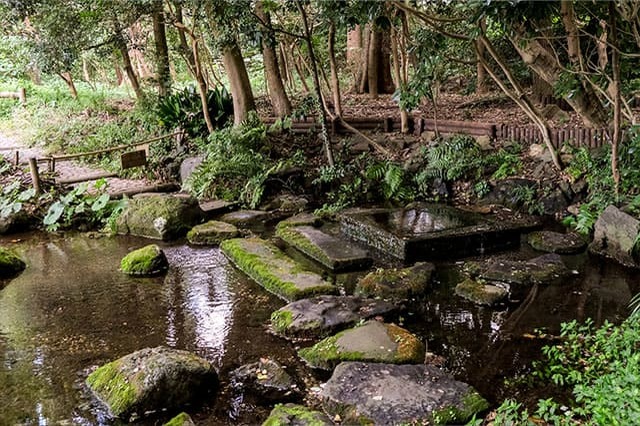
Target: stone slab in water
[[267, 380], [615, 235], [385, 394], [301, 219], [482, 293], [372, 341], [322, 315], [247, 218], [211, 233], [296, 415], [555, 242], [433, 231], [335, 254], [544, 269], [274, 270], [396, 284], [216, 207], [151, 380]]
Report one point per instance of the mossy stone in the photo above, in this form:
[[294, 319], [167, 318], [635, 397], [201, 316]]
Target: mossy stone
[[211, 233], [296, 415], [182, 419], [396, 284], [146, 261], [10, 263], [481, 292], [555, 242], [301, 219]]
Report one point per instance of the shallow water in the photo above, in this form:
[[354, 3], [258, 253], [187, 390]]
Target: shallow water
[[72, 310]]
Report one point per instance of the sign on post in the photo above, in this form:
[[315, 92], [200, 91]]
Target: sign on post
[[133, 159]]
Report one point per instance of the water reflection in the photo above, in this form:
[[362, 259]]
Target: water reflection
[[423, 220]]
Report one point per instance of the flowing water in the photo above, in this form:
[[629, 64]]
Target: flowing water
[[72, 310]]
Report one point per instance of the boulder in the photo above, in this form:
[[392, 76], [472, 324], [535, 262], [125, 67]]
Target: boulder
[[267, 380], [10, 263], [274, 270], [159, 216], [543, 269], [182, 419], [555, 242], [615, 236], [481, 292], [372, 341], [296, 415], [211, 233], [188, 166], [16, 222], [505, 192], [396, 284], [146, 261], [384, 394], [322, 315], [152, 379], [333, 253]]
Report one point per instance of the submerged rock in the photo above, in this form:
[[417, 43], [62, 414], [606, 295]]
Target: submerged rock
[[555, 242], [540, 270], [274, 270], [482, 293], [301, 219], [296, 415], [10, 263], [335, 254], [211, 233], [373, 341], [615, 236], [182, 419], [384, 394], [396, 284], [267, 380], [159, 216], [146, 261], [322, 315], [152, 379]]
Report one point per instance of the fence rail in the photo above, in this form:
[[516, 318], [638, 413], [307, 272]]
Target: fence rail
[[21, 94]]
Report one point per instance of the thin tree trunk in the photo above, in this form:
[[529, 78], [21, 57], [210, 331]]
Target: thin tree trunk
[[278, 95], [400, 82], [68, 78], [316, 82], [118, 72], [296, 65], [202, 86], [372, 63], [243, 101], [185, 50], [354, 55], [364, 76], [615, 70], [335, 82], [481, 77], [163, 72], [285, 69], [121, 44]]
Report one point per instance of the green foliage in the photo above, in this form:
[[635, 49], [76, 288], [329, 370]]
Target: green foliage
[[14, 197], [527, 196], [506, 161], [183, 110], [454, 158]]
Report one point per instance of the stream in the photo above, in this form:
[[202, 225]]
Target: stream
[[72, 310]]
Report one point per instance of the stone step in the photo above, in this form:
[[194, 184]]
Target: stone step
[[333, 253], [274, 270]]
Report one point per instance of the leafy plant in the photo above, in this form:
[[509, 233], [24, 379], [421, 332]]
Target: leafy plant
[[13, 198], [527, 196], [183, 110], [454, 158]]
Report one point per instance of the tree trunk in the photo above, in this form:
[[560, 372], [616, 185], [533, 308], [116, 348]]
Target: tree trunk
[[373, 61], [335, 82], [615, 71], [385, 80], [298, 69], [185, 50], [364, 76], [202, 85], [68, 78], [163, 73], [118, 71], [121, 44], [354, 55], [243, 101], [278, 95], [481, 77], [400, 82]]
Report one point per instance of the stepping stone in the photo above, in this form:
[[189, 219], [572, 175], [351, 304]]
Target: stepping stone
[[145, 262], [385, 394], [555, 242], [482, 293], [323, 315], [247, 218], [333, 253], [296, 415], [267, 380], [539, 270], [373, 341], [301, 219], [151, 380], [216, 207], [274, 270], [211, 233], [396, 284]]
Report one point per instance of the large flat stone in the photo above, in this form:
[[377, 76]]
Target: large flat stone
[[335, 254], [247, 218], [322, 315], [274, 270], [555, 242], [396, 284], [482, 293], [372, 341], [615, 235], [544, 269], [384, 394], [434, 231]]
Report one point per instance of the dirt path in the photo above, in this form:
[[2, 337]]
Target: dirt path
[[68, 169]]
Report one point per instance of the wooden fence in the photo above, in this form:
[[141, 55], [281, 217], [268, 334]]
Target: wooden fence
[[577, 136], [21, 95]]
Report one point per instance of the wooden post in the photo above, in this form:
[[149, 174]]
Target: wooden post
[[22, 95], [17, 157], [35, 176]]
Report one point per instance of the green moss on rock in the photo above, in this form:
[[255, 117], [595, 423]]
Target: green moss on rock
[[396, 284], [146, 261], [182, 419], [480, 292], [299, 415], [10, 263], [211, 233], [113, 388], [472, 404], [299, 241], [273, 270], [281, 320]]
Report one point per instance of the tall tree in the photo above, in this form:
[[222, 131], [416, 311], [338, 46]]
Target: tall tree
[[163, 74]]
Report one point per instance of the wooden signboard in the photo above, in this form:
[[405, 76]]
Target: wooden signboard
[[133, 159]]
